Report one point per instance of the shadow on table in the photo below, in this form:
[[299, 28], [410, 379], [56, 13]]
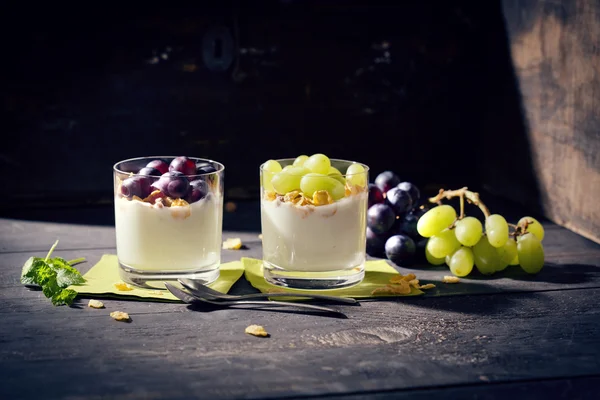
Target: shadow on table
[[208, 308], [551, 273]]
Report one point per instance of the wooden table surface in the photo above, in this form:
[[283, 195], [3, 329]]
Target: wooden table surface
[[506, 335]]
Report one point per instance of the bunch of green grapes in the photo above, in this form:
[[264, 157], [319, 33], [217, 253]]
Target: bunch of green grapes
[[311, 174], [463, 244]]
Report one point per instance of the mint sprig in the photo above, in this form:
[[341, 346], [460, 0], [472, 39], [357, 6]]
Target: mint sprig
[[54, 275]]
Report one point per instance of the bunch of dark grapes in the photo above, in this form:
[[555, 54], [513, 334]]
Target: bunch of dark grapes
[[182, 178], [392, 220]]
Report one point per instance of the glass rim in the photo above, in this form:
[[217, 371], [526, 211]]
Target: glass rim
[[221, 166], [365, 166]]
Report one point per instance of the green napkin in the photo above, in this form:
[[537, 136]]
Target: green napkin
[[101, 279], [377, 275]]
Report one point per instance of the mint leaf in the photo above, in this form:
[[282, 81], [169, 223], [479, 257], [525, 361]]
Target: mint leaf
[[27, 277], [65, 274], [53, 275], [64, 297]]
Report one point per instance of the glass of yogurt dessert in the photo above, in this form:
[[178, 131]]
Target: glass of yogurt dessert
[[313, 216], [168, 218]]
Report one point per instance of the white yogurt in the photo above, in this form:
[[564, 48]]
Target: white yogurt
[[183, 238], [315, 238]]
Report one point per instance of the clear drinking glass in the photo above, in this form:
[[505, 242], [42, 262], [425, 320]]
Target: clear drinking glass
[[315, 245], [168, 225]]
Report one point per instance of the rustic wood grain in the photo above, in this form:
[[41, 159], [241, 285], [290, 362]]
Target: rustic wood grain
[[382, 346], [555, 49]]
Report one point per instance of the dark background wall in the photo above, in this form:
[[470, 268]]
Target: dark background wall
[[399, 87]]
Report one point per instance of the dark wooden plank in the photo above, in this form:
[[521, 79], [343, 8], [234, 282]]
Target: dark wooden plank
[[554, 46], [382, 346]]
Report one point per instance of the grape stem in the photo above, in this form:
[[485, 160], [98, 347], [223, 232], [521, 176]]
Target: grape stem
[[463, 193]]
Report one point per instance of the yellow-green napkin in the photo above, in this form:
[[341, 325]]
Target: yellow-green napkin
[[101, 279], [377, 274]]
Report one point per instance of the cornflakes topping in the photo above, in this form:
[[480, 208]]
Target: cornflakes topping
[[95, 304], [232, 244], [122, 286], [179, 203], [401, 284], [256, 330], [450, 279], [270, 195], [322, 198], [292, 196], [401, 288], [427, 286], [230, 206], [152, 197], [120, 316]]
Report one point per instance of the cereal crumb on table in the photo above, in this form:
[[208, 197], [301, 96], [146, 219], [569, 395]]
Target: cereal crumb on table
[[260, 236], [256, 330], [450, 279], [232, 244], [95, 304], [427, 286], [120, 316], [122, 286]]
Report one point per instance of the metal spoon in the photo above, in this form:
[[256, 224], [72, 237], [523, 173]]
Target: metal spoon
[[191, 298], [202, 290]]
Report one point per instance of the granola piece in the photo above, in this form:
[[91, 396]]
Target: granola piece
[[292, 196], [232, 244], [123, 287], [450, 279], [179, 203], [414, 283], [95, 304], [256, 330], [322, 198], [270, 195], [401, 288], [427, 286], [154, 196], [120, 316], [409, 277], [396, 278]]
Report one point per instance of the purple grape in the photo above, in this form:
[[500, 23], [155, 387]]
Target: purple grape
[[413, 190], [136, 185], [173, 184], [408, 226], [380, 218], [376, 243], [400, 249], [149, 171], [184, 165], [160, 165], [399, 200], [375, 195], [198, 190], [205, 168], [386, 180]]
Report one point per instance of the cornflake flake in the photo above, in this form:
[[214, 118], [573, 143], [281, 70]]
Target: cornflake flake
[[256, 330], [95, 304], [450, 279], [427, 286], [120, 316], [232, 244], [322, 198], [122, 286]]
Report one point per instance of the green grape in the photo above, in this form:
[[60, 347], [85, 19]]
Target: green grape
[[515, 261], [461, 262], [508, 252], [443, 244], [536, 228], [356, 175], [436, 220], [447, 259], [287, 167], [339, 178], [318, 163], [468, 231], [531, 253], [496, 230], [433, 260], [270, 168], [300, 160], [312, 182], [288, 180], [486, 256], [334, 170]]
